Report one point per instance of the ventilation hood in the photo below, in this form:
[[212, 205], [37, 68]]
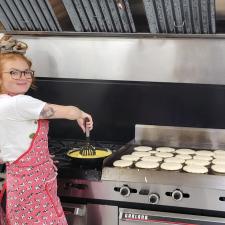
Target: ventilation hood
[[112, 16]]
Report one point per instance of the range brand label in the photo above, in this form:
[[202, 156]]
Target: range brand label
[[153, 219]]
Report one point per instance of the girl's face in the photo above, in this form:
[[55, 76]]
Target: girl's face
[[12, 81]]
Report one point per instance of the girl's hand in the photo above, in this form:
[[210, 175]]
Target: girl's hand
[[82, 120]]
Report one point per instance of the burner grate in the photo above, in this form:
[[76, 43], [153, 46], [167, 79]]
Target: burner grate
[[65, 165]]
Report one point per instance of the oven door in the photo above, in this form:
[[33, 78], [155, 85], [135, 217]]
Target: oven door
[[76, 214], [140, 217]]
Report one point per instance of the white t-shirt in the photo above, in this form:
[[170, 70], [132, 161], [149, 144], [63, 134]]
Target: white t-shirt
[[18, 123]]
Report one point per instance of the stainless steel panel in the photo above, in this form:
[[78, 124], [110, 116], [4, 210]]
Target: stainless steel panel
[[90, 15], [81, 12], [130, 18], [29, 15], [32, 15], [203, 193], [181, 60], [212, 16], [98, 15], [17, 15], [196, 16], [115, 16], [102, 214], [8, 13], [5, 20], [123, 15], [189, 137], [187, 16], [169, 16], [161, 16], [164, 177], [204, 16], [101, 15], [151, 16], [179, 20], [40, 15], [24, 14], [69, 5], [107, 16], [90, 214], [49, 15]]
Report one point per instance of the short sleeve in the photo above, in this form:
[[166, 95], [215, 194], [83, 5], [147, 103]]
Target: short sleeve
[[27, 107]]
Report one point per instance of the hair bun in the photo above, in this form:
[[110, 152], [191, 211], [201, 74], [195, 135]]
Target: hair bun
[[10, 45]]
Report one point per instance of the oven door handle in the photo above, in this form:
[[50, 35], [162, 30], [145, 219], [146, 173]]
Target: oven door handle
[[79, 211], [75, 210]]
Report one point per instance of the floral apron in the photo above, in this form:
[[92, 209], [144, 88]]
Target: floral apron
[[31, 186]]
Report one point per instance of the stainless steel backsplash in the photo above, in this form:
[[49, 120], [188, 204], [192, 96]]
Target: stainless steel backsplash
[[134, 58]]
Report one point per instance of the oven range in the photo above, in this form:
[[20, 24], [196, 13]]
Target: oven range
[[132, 195]]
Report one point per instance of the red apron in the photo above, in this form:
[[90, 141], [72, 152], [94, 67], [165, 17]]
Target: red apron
[[31, 185]]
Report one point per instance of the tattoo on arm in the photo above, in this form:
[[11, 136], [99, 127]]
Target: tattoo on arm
[[47, 112]]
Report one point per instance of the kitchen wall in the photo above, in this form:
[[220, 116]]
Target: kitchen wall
[[133, 58], [124, 81], [117, 106]]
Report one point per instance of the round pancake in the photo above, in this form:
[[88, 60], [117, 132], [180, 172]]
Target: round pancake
[[197, 162], [195, 169], [165, 149], [171, 166], [141, 154], [216, 156], [219, 152], [185, 157], [164, 154], [147, 165], [130, 157], [203, 157], [142, 148], [218, 168], [218, 161], [174, 160], [122, 163], [152, 159], [204, 152], [185, 151]]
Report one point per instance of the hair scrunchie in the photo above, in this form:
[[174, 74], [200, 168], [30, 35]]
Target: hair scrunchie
[[10, 45]]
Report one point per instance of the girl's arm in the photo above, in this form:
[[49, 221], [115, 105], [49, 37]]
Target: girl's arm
[[52, 111]]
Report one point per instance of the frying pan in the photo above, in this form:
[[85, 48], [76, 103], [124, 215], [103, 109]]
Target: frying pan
[[91, 161]]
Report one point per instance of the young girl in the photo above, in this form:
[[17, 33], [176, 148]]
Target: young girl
[[31, 186]]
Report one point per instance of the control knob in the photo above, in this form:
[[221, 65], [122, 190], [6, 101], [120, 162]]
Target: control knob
[[154, 198], [125, 191], [177, 195]]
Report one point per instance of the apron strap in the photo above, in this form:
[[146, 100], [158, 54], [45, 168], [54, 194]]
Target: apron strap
[[3, 197]]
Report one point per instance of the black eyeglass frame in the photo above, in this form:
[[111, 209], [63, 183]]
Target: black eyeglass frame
[[17, 74]]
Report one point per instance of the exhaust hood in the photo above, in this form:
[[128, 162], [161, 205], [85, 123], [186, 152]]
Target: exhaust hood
[[111, 16], [185, 16]]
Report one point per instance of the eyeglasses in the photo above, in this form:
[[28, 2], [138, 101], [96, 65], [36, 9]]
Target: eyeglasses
[[17, 74]]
